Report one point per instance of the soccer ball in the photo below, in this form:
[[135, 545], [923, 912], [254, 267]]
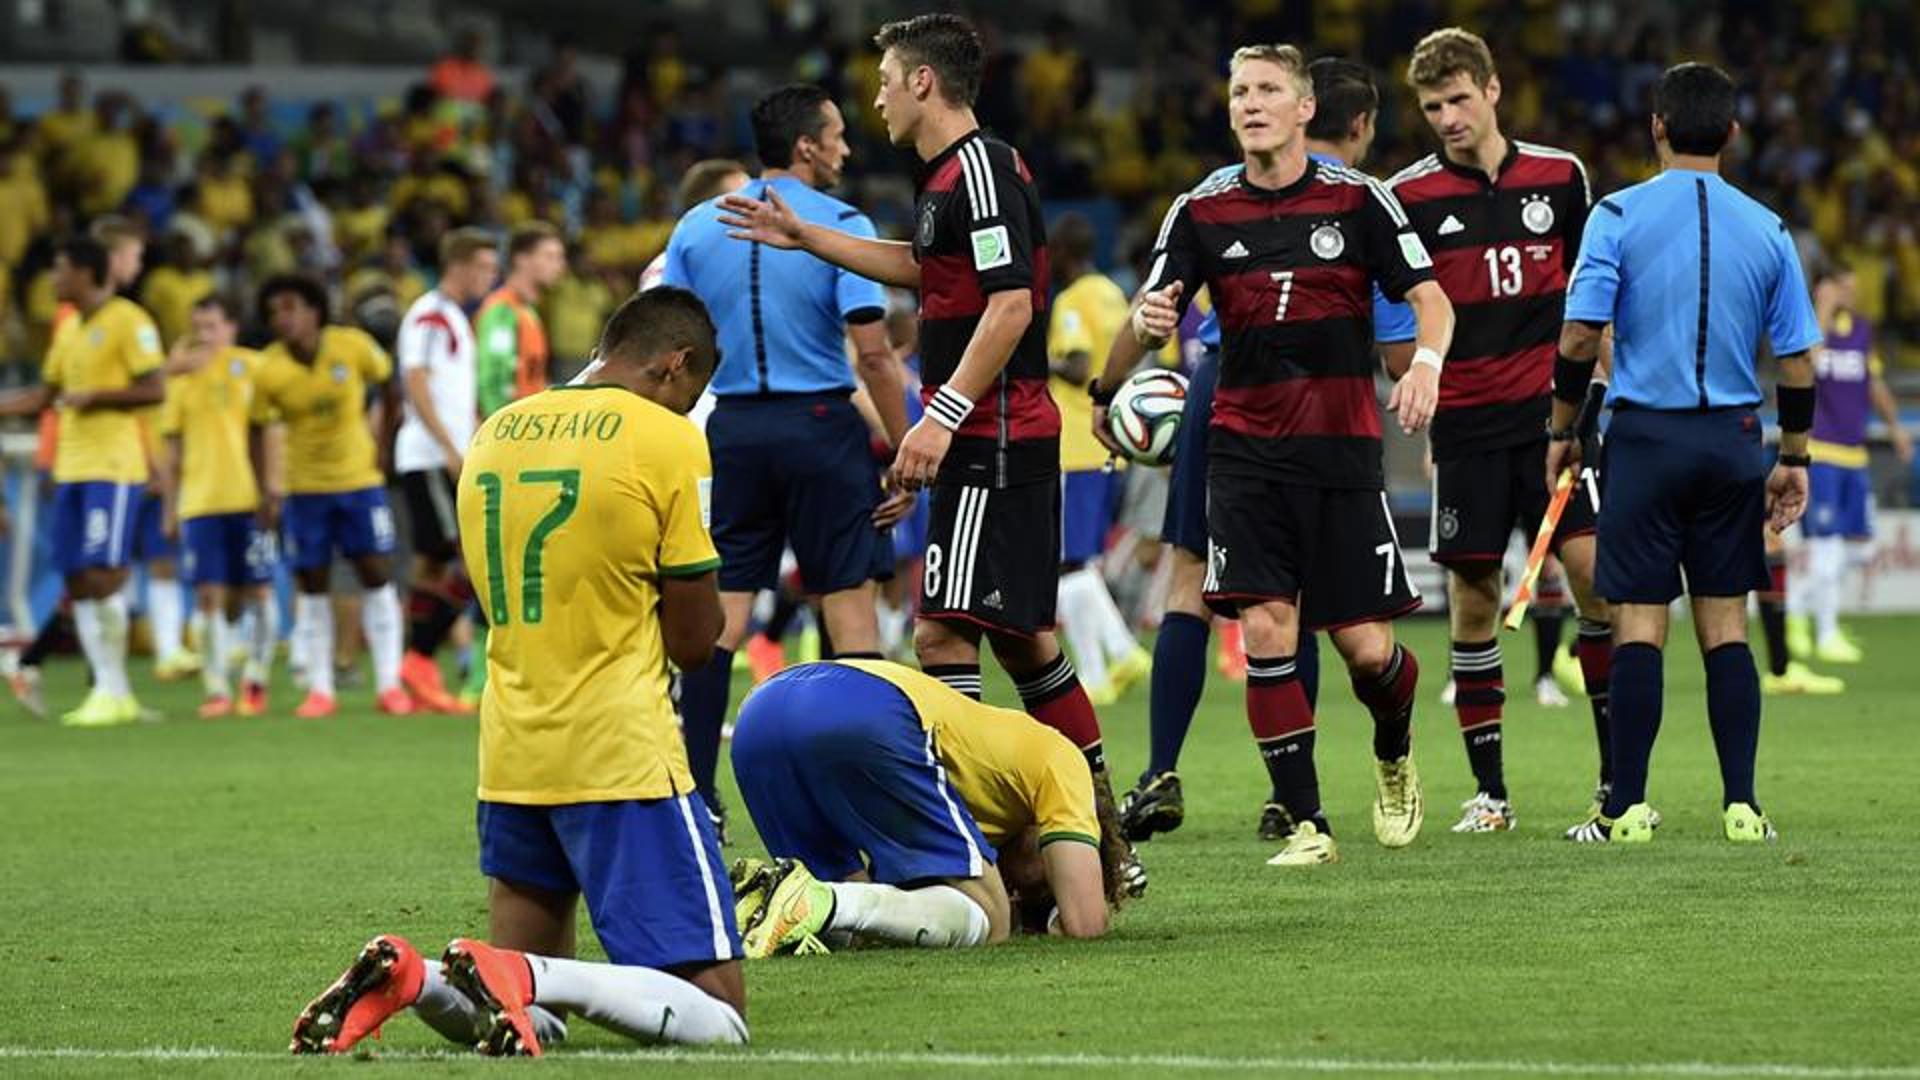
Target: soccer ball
[[1145, 415]]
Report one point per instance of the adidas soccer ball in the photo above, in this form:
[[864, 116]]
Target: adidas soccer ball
[[1145, 415]]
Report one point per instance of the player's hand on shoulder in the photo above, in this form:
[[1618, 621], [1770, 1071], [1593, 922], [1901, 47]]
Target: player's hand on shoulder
[[1415, 396], [767, 221], [1786, 496], [921, 452]]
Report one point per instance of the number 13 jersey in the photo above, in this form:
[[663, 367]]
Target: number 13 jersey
[[574, 504]]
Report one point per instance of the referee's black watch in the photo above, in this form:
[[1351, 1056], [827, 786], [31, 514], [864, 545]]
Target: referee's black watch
[[1796, 461], [1099, 397]]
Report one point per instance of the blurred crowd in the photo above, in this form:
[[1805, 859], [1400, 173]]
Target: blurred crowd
[[1121, 116]]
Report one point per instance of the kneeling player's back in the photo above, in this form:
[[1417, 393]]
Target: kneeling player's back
[[574, 503]]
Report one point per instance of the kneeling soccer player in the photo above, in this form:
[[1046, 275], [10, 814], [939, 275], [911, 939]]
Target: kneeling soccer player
[[583, 515], [896, 796]]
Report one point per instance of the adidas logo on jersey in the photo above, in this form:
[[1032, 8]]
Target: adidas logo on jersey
[[1450, 226], [1235, 250], [991, 600]]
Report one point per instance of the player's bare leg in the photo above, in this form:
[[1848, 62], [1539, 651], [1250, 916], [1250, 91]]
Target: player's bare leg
[[1480, 692], [1385, 676], [853, 621], [258, 627], [212, 602], [380, 621]]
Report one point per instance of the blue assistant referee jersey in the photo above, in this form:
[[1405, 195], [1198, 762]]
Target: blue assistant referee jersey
[[1691, 272], [781, 315]]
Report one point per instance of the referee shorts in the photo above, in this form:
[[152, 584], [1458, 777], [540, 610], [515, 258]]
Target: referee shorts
[[1682, 493]]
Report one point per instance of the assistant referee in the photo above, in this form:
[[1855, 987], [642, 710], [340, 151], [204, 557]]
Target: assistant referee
[[1692, 274]]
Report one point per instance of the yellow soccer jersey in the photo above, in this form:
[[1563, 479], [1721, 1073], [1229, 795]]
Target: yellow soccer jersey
[[210, 411], [1086, 316], [107, 350], [1012, 771], [574, 504], [324, 405]]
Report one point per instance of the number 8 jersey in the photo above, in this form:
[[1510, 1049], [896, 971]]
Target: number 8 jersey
[[1291, 271], [574, 504]]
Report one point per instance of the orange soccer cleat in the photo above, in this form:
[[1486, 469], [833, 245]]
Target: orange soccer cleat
[[318, 706], [216, 706], [253, 699], [766, 656], [421, 676], [395, 702], [501, 983], [384, 979]]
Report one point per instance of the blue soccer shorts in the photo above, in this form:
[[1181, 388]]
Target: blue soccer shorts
[[1839, 502], [352, 523], [226, 549], [1185, 525], [838, 772], [149, 533], [1682, 491], [93, 524], [1088, 499], [650, 871]]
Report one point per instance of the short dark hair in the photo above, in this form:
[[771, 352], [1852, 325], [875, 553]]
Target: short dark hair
[[1696, 103], [310, 292], [785, 116], [529, 236], [702, 179], [1343, 92], [946, 43], [464, 243], [661, 320], [87, 253], [1071, 236], [221, 301]]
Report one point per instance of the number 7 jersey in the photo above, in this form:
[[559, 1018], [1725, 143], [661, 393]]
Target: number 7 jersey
[[574, 504]]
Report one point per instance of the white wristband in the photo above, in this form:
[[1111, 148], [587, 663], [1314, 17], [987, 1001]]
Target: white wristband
[[1424, 355], [949, 408]]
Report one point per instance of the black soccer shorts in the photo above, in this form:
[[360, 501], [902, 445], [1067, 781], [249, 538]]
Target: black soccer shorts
[[993, 556], [1478, 501]]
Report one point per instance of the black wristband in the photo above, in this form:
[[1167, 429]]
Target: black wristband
[[1097, 395], [1796, 408], [1570, 378], [1796, 461], [1555, 434]]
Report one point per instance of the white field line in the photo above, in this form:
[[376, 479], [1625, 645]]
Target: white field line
[[857, 1058]]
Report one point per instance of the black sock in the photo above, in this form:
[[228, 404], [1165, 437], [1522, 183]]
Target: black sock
[[785, 607], [1389, 697], [430, 615], [1733, 711], [1638, 671], [1595, 651], [58, 624], [703, 712], [1283, 730], [1179, 679], [1547, 625], [1480, 694], [962, 677], [1773, 614], [1307, 663]]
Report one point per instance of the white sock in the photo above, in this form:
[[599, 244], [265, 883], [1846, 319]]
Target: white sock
[[261, 620], [315, 612], [197, 633], [380, 621], [86, 624], [215, 643], [168, 609], [111, 674], [1115, 635], [458, 1018], [934, 917], [1826, 562], [1080, 620], [640, 1003]]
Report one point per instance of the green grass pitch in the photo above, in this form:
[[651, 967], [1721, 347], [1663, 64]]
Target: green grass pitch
[[186, 886]]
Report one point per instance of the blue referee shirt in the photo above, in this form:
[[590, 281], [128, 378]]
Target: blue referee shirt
[[1693, 274], [781, 315]]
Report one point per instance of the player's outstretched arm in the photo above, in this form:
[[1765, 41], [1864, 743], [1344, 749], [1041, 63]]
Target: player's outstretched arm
[[772, 222], [690, 618], [1078, 887], [1417, 393], [29, 402]]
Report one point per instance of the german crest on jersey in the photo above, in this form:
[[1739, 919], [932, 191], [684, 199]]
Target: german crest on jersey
[[927, 215], [1536, 213], [1327, 241]]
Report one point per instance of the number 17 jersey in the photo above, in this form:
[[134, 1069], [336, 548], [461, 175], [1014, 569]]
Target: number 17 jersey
[[574, 504]]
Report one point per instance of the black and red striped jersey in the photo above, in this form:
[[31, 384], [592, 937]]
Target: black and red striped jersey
[[1291, 272], [980, 231], [1502, 250]]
